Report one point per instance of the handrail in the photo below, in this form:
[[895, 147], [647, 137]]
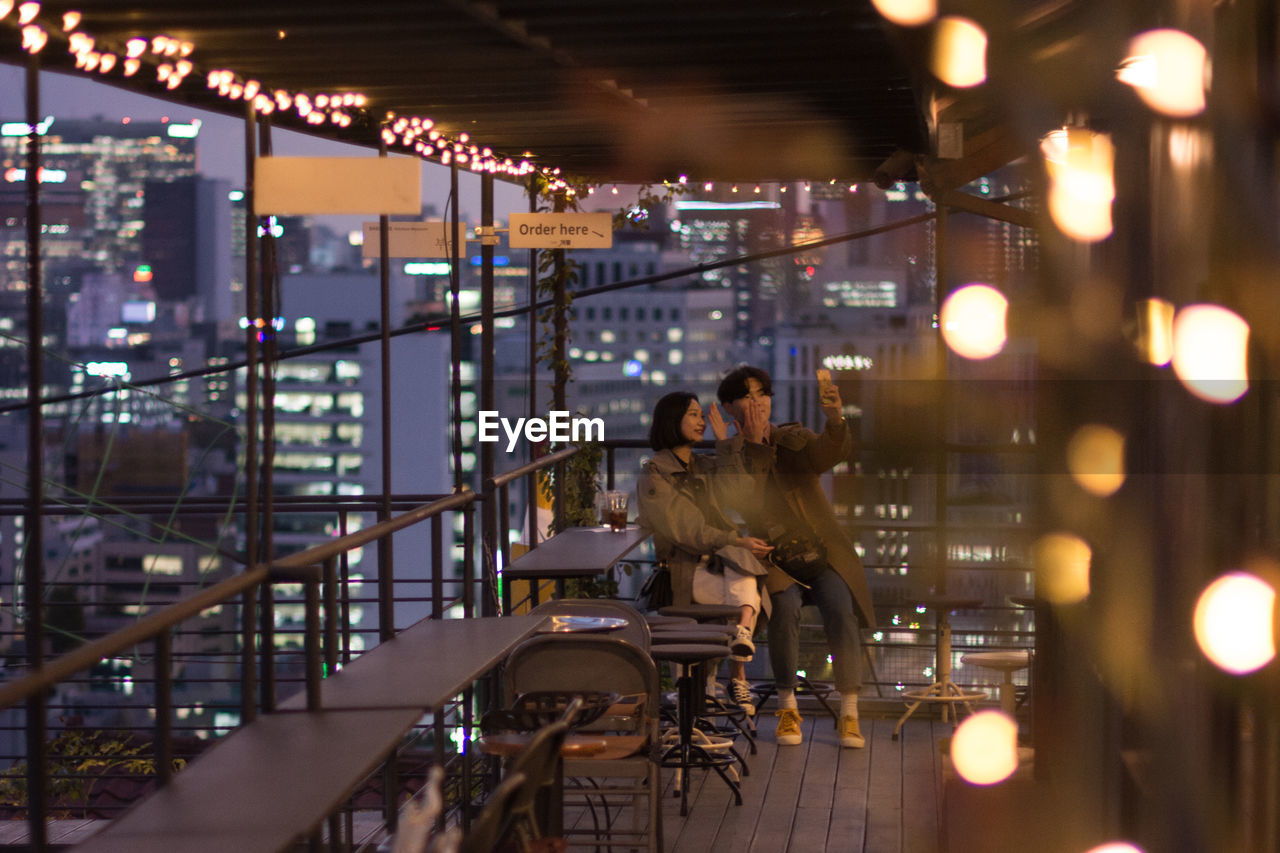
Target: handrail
[[528, 468], [154, 624]]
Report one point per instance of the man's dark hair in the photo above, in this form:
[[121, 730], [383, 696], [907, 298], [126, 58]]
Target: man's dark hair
[[734, 385], [664, 429]]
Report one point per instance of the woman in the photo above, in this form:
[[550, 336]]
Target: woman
[[710, 563]]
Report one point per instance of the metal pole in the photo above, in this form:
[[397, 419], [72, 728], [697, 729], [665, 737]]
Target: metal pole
[[330, 617], [531, 482], [437, 567], [312, 641], [33, 552], [455, 324], [560, 322], [940, 494], [164, 707], [344, 566], [266, 324], [249, 602], [386, 568], [489, 516]]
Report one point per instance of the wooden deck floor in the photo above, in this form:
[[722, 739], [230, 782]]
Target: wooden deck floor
[[810, 798], [818, 797]]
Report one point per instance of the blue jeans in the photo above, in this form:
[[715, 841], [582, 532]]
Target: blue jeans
[[835, 601]]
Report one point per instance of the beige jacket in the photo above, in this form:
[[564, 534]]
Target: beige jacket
[[682, 535], [798, 457]]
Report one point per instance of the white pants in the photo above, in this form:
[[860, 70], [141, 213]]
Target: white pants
[[727, 587]]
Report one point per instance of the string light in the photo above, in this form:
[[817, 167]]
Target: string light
[[418, 134], [33, 38]]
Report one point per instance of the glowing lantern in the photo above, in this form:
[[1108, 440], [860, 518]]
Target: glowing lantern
[[973, 321], [907, 13], [984, 749], [1062, 567], [1234, 622], [1210, 346], [1095, 458], [1167, 70], [959, 52], [1080, 166]]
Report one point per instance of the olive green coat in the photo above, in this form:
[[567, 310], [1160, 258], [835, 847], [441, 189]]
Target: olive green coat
[[799, 457]]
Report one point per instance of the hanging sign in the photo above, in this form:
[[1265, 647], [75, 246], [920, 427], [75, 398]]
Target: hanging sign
[[412, 240], [561, 231]]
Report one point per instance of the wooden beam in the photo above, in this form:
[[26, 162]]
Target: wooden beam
[[986, 207]]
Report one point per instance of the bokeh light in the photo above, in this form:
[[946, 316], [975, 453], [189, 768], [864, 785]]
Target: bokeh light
[[1210, 352], [959, 52], [1167, 70], [984, 749], [1155, 331], [907, 13], [973, 321], [1234, 622], [1082, 185], [1095, 459], [1062, 563], [1115, 847]]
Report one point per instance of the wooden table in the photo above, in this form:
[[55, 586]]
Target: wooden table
[[578, 552], [269, 783]]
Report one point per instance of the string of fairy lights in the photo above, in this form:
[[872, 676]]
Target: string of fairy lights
[[173, 62]]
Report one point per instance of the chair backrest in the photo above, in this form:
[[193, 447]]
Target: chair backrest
[[636, 630], [582, 662], [495, 818], [538, 763]]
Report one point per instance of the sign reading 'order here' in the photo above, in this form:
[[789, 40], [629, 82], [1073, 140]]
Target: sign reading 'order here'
[[561, 231]]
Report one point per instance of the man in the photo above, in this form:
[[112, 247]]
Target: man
[[787, 502]]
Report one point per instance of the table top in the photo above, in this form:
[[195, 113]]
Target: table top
[[424, 666], [577, 552], [305, 765]]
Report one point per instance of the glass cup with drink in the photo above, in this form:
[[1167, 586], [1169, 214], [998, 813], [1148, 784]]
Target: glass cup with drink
[[615, 509]]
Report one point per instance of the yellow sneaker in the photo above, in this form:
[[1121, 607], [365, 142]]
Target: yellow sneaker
[[788, 732], [850, 736]]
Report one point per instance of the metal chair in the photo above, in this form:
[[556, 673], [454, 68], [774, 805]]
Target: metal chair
[[603, 662], [495, 818]]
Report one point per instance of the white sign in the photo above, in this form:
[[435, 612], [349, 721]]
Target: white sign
[[561, 231], [413, 240]]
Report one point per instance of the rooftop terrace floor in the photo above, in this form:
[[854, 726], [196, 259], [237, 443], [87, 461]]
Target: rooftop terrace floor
[[818, 797]]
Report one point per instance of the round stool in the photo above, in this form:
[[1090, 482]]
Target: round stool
[[655, 619], [703, 633], [943, 689], [1007, 662], [686, 754], [703, 612]]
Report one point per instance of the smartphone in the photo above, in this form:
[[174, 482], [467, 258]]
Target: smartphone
[[824, 377]]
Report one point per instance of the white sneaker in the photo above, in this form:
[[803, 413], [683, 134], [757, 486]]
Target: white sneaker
[[740, 695], [742, 647]]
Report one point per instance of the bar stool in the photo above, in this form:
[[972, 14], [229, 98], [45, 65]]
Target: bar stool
[[710, 706], [702, 612], [686, 754], [943, 689], [1007, 662]]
